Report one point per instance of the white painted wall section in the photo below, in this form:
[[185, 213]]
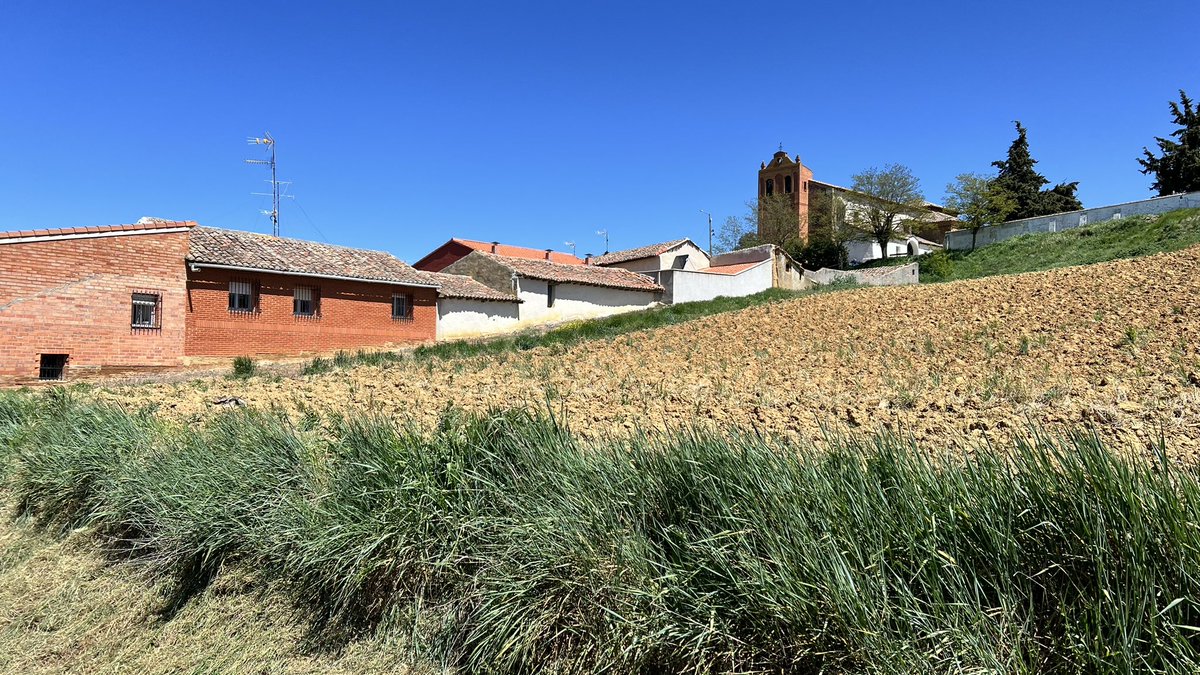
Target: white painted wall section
[[576, 301], [694, 286], [462, 318]]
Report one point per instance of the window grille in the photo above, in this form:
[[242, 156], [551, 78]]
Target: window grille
[[53, 367], [147, 310], [243, 296], [402, 307], [304, 301]]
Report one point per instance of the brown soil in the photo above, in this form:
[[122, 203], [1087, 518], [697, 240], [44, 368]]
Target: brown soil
[[1115, 346]]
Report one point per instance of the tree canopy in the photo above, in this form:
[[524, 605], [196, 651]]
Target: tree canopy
[[978, 201], [1178, 169], [1022, 183], [890, 201]]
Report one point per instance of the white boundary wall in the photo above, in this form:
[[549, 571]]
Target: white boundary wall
[[901, 275], [960, 240], [462, 318], [689, 286]]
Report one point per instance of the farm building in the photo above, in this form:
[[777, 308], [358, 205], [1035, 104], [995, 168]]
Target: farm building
[[159, 293], [550, 292], [688, 274], [443, 256]]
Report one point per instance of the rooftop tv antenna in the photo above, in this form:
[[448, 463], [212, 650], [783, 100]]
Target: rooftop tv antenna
[[571, 244], [604, 233], [275, 193]]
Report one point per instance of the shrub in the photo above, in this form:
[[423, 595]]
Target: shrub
[[937, 266], [244, 366]]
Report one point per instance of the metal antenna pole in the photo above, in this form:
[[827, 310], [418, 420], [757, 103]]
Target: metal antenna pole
[[604, 233], [268, 141], [710, 231]]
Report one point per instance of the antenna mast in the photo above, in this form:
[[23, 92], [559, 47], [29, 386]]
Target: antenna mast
[[268, 141]]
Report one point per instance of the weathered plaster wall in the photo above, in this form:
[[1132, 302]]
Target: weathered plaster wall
[[463, 318], [574, 301]]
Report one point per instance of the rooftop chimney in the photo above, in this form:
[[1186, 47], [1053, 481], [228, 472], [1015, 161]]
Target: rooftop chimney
[[587, 258], [495, 245], [548, 251]]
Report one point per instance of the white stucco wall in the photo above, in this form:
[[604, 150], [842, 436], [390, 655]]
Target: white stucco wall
[[693, 286], [574, 301], [901, 275], [461, 318], [960, 240], [697, 260]]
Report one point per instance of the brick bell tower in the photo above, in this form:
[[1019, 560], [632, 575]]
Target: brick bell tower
[[786, 176]]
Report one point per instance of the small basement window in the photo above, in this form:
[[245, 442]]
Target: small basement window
[[241, 296], [402, 307], [53, 367], [304, 301], [146, 310]]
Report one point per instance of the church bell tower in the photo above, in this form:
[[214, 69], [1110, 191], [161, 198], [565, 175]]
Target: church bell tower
[[789, 177]]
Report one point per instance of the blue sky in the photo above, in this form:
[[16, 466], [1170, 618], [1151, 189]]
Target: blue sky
[[402, 125]]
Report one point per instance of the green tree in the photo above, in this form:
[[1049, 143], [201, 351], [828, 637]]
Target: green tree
[[889, 204], [1023, 183], [769, 220], [1178, 169], [979, 202]]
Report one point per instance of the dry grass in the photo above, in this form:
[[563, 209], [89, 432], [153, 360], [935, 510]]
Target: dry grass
[[63, 608]]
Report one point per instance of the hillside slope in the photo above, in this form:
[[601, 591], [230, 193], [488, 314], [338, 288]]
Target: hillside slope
[[1114, 345]]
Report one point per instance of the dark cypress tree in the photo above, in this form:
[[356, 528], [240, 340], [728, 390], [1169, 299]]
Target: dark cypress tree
[[1178, 170], [1023, 183]]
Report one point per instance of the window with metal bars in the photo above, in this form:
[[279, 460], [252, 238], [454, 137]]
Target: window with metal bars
[[146, 310], [243, 296], [305, 301], [52, 367], [402, 307]]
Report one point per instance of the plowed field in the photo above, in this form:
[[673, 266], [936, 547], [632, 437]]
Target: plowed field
[[1113, 345]]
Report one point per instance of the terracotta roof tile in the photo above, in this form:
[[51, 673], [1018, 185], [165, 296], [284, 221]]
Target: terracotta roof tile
[[731, 269], [295, 256], [509, 251], [459, 286], [588, 275], [100, 229], [636, 253]]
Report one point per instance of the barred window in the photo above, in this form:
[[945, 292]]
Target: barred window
[[402, 307], [304, 301], [146, 310], [241, 296]]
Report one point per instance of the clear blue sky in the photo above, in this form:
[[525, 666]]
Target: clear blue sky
[[537, 123]]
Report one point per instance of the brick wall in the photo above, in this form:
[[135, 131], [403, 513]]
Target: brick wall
[[352, 315], [74, 296]]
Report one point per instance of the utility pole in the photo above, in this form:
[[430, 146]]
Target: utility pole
[[268, 141], [710, 231]]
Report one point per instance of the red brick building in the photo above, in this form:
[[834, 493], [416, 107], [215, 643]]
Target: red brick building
[[450, 252], [151, 294]]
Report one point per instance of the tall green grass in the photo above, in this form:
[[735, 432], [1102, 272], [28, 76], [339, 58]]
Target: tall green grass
[[503, 544]]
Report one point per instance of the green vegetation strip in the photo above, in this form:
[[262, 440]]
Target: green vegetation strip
[[502, 544], [1098, 242], [573, 333]]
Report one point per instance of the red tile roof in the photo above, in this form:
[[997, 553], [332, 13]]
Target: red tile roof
[[588, 275], [459, 286], [731, 269], [100, 229], [509, 251], [234, 248], [636, 253]]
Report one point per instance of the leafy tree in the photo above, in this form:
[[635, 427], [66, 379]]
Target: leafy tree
[[890, 204], [1023, 183], [769, 220], [821, 250], [1178, 169], [979, 202]]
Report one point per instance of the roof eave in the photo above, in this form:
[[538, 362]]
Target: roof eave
[[335, 277]]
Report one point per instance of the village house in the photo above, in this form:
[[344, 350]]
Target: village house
[[160, 294], [550, 292], [443, 256]]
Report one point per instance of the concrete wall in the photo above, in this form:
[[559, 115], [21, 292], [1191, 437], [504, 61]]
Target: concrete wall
[[960, 240], [693, 286], [463, 318], [576, 301], [901, 275], [697, 260]]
